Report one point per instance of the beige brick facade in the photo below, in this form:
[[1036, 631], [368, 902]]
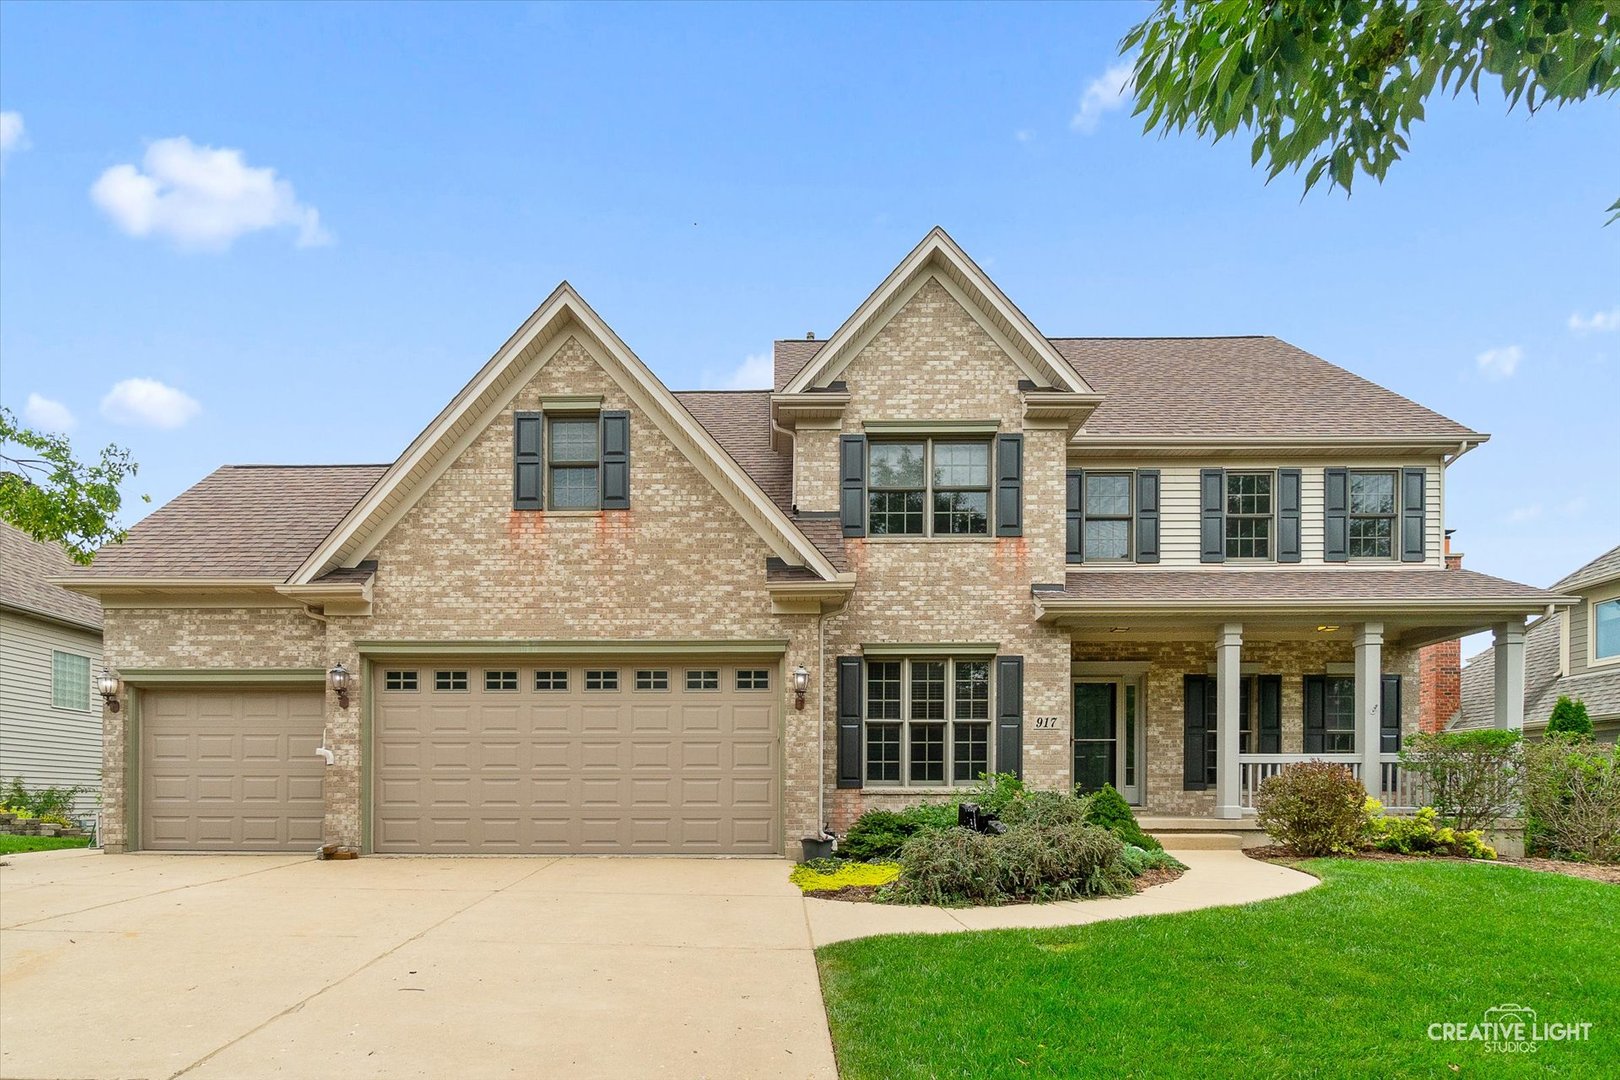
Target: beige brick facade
[[682, 565]]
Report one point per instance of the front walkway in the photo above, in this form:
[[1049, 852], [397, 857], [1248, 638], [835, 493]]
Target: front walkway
[[240, 967], [1213, 879]]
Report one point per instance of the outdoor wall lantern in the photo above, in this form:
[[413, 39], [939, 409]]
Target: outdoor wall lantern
[[340, 680], [109, 686], [801, 683]]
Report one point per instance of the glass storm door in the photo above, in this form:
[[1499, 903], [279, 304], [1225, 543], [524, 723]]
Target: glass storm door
[[1096, 735], [1106, 735]]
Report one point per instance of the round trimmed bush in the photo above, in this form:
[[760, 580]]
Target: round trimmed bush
[[1313, 807]]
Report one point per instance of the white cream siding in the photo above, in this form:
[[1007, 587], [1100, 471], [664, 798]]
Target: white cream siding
[[1179, 509], [43, 745]]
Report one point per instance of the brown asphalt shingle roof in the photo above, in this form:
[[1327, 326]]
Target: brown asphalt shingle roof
[[1600, 569], [1217, 386], [740, 421], [257, 521], [26, 567], [1298, 586]]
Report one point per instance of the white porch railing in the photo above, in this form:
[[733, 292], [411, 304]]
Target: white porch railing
[[1397, 789]]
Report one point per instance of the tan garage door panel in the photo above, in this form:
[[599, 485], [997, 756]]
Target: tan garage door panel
[[231, 770], [552, 766]]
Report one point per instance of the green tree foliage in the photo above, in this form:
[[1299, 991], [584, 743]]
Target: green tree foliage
[[1334, 86], [1569, 718], [53, 497]]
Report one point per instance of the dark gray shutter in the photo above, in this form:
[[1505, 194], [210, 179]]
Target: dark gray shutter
[[1288, 500], [1147, 515], [1336, 515], [1389, 716], [1009, 485], [849, 721], [852, 484], [1074, 516], [1271, 714], [1212, 515], [528, 473], [1412, 517], [1010, 715], [1315, 712], [615, 461], [1197, 690]]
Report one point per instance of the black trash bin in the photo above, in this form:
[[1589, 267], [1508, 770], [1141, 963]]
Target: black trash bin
[[818, 847]]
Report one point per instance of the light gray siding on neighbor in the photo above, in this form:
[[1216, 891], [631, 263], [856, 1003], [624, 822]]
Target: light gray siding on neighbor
[[44, 745]]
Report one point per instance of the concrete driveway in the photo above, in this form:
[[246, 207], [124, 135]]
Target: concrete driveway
[[254, 966]]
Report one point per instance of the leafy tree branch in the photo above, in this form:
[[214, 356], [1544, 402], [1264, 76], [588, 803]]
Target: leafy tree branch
[[53, 497]]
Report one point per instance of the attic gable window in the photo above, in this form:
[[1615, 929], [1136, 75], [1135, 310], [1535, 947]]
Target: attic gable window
[[571, 460], [574, 461]]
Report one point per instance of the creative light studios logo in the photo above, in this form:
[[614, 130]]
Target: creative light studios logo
[[1510, 1029]]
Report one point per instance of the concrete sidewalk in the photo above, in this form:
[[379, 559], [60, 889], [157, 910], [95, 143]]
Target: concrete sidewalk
[[242, 967], [1213, 879]]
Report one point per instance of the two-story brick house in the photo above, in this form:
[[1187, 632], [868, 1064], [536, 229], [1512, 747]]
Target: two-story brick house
[[583, 613]]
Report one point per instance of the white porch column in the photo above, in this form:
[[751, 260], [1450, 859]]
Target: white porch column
[[1509, 663], [1369, 694], [1228, 688]]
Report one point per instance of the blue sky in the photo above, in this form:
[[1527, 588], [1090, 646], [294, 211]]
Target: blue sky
[[711, 178]]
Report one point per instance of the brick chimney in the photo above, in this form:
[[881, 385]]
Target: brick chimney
[[1440, 671]]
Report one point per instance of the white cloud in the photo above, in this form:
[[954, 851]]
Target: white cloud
[[1499, 364], [756, 372], [149, 403], [13, 135], [1599, 322], [48, 415], [1104, 94], [1023, 135], [202, 198], [1520, 514]]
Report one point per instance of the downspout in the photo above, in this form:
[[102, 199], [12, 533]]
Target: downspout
[[821, 720]]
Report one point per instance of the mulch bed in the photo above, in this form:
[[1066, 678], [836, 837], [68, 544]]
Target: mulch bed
[[860, 894], [1604, 872]]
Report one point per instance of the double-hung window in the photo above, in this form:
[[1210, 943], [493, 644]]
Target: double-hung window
[[929, 487], [1372, 514], [1108, 516], [927, 721], [573, 456], [1248, 515]]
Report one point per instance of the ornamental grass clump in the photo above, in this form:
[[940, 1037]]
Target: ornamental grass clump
[[1030, 861], [1313, 807]]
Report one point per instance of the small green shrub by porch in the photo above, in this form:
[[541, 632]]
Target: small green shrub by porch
[[1110, 810], [1313, 807], [1572, 798], [1041, 808], [995, 791], [53, 804], [1041, 862], [879, 834], [1569, 718], [1423, 834], [1471, 777], [1139, 861]]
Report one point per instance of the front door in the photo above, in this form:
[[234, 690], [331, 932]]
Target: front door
[[1105, 734]]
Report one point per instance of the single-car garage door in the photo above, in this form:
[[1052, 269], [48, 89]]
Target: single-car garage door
[[231, 770], [649, 756]]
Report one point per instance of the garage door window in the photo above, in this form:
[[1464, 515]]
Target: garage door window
[[551, 680], [603, 679], [652, 679], [500, 680], [450, 680], [703, 679], [399, 680], [753, 679], [927, 721]]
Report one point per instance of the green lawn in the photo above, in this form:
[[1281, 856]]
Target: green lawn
[[12, 845], [1343, 980]]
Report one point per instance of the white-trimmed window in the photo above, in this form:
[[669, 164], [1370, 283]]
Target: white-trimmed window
[[1108, 516], [602, 679], [400, 680], [928, 487], [703, 679], [652, 679], [927, 721], [1606, 630], [450, 680], [1249, 509], [551, 679], [500, 679], [753, 678], [70, 681]]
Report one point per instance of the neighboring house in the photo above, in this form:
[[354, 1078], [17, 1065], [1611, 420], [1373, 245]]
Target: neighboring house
[[50, 651], [1573, 652], [583, 613]]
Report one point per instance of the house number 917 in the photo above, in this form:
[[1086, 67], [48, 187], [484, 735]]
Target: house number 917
[[1046, 723]]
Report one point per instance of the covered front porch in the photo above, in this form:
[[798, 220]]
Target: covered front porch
[[1190, 689]]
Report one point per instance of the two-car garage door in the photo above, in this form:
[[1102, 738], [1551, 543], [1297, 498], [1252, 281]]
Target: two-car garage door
[[674, 755]]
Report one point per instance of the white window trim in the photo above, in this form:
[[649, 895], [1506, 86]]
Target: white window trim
[[75, 689], [950, 721], [1271, 533], [1606, 595], [1086, 517]]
